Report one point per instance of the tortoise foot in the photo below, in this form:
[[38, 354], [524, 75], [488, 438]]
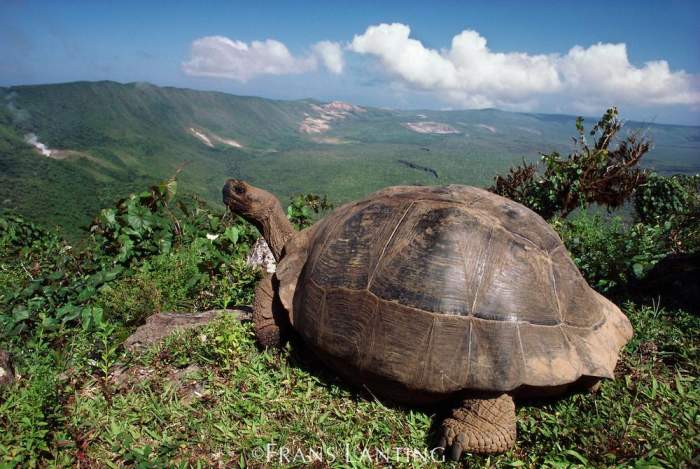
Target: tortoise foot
[[269, 316], [485, 425]]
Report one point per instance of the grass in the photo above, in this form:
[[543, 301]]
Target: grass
[[211, 397]]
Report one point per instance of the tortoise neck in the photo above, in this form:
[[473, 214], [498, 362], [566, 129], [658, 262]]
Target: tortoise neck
[[275, 228]]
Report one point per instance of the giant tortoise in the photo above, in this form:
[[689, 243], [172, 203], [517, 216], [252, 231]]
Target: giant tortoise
[[422, 294]]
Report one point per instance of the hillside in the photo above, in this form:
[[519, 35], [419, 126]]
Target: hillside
[[68, 149]]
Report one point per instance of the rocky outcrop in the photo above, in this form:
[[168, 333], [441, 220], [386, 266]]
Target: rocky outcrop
[[321, 117], [436, 128], [261, 256], [209, 138], [160, 325]]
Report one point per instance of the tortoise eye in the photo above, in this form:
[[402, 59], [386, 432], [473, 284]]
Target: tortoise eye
[[239, 189]]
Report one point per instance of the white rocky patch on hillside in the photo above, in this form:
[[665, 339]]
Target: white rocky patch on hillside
[[209, 138], [437, 128], [201, 136], [228, 141], [487, 127], [330, 140], [320, 118]]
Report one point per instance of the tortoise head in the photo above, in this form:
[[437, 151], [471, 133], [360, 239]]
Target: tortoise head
[[260, 208], [248, 201]]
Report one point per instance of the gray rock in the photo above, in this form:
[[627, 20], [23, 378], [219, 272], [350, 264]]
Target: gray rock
[[160, 325], [187, 383], [7, 375], [261, 256]]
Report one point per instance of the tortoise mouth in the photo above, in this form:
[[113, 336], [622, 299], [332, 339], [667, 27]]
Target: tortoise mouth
[[227, 197], [230, 192]]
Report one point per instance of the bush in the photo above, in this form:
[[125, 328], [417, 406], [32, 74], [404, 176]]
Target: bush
[[178, 281], [21, 237], [593, 173], [608, 253], [304, 207], [675, 203], [170, 253], [232, 287], [130, 300], [661, 198]]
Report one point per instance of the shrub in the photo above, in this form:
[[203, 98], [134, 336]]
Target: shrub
[[593, 173], [191, 277], [169, 253], [130, 300], [17, 234], [232, 287], [176, 275], [304, 207], [661, 198], [673, 202], [608, 253]]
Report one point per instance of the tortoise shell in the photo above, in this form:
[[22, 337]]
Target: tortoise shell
[[441, 289]]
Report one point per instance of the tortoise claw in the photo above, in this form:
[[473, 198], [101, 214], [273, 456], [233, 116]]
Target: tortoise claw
[[451, 443], [455, 451]]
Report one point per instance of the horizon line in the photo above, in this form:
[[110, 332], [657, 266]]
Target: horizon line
[[142, 82]]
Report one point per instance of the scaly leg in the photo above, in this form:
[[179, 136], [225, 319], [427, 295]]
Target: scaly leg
[[485, 425], [269, 316]]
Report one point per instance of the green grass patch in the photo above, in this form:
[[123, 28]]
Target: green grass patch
[[210, 396]]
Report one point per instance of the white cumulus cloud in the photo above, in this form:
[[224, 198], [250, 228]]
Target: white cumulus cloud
[[331, 54], [602, 73], [469, 74], [221, 57]]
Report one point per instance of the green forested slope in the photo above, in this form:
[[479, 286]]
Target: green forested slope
[[115, 138]]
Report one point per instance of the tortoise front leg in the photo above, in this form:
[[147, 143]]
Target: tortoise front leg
[[269, 316], [480, 425]]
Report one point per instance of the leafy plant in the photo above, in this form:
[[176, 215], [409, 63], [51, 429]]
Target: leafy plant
[[233, 286], [140, 225], [130, 300], [672, 201], [304, 207], [175, 254], [608, 253], [661, 198], [594, 172]]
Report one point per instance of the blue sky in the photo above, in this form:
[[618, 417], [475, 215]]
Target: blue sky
[[532, 56]]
